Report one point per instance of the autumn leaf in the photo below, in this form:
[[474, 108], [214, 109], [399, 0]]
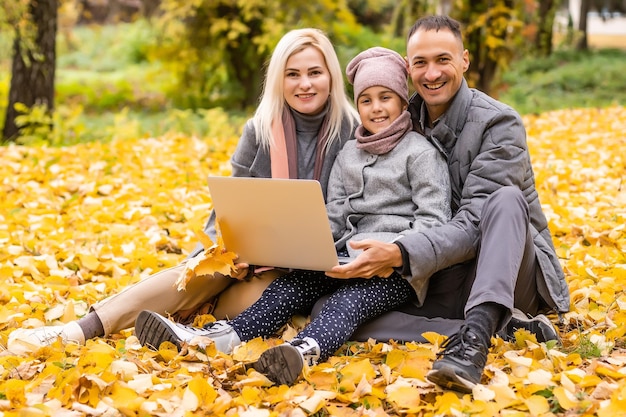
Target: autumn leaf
[[354, 372], [79, 223], [213, 259]]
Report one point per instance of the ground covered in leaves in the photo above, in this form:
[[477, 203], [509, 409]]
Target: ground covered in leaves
[[79, 223]]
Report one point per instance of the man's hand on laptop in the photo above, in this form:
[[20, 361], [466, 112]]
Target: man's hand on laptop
[[377, 259]]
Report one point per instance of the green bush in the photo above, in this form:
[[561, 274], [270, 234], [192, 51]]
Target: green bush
[[108, 68], [567, 79], [72, 125], [135, 86], [106, 48]]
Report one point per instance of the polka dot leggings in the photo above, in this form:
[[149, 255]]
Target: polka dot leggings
[[353, 302]]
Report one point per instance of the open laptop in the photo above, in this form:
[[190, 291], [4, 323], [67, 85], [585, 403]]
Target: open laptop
[[275, 222]]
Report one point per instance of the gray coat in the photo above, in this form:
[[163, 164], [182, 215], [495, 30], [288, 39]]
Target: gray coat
[[250, 159], [485, 144], [383, 196]]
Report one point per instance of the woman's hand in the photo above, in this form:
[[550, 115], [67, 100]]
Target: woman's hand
[[377, 259], [241, 272]]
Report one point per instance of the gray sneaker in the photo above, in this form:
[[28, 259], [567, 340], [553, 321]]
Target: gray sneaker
[[539, 325], [283, 364], [152, 329]]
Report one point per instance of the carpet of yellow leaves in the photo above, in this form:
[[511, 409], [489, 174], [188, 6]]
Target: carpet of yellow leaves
[[79, 223]]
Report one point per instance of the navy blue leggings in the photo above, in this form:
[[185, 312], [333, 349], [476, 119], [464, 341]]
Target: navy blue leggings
[[353, 302]]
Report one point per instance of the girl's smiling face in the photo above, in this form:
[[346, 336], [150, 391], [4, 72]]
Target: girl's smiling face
[[378, 107]]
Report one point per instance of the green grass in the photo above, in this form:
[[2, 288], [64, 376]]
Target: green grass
[[567, 79], [106, 48], [108, 68]]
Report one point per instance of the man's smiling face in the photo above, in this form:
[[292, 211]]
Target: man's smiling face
[[436, 62]]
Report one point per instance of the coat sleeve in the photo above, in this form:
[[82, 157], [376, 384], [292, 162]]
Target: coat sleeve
[[498, 159], [241, 162], [430, 190], [245, 153]]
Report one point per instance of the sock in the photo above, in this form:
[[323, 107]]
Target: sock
[[72, 332], [91, 325], [484, 319]]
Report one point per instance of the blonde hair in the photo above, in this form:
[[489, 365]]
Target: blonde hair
[[272, 100]]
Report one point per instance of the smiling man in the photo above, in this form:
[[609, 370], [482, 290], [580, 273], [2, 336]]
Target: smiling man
[[493, 267], [437, 62]]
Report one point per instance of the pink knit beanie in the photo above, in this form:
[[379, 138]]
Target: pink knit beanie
[[378, 66]]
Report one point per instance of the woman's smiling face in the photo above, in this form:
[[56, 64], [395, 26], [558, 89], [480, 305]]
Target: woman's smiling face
[[307, 81]]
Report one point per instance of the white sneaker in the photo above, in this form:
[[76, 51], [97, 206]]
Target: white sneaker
[[28, 340], [283, 364], [152, 329]]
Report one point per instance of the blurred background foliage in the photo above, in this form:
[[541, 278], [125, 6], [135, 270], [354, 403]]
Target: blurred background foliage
[[132, 68]]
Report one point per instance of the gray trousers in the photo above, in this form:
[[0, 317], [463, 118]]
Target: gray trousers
[[505, 272]]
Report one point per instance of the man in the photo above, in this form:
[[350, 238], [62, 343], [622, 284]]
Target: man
[[495, 258]]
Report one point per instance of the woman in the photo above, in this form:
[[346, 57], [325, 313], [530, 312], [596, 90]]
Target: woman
[[302, 121]]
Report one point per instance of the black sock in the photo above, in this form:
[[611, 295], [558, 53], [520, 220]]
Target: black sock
[[484, 319], [91, 325]]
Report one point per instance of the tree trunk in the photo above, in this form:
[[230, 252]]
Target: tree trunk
[[32, 72], [543, 41], [583, 44]]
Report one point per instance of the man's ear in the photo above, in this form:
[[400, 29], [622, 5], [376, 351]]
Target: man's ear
[[466, 60]]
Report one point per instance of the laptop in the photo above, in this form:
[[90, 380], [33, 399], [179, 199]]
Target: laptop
[[275, 222]]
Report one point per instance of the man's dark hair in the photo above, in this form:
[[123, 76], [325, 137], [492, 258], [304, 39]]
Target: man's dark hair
[[436, 23]]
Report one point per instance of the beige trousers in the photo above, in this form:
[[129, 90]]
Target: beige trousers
[[158, 293]]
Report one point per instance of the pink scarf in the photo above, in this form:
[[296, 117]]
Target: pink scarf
[[385, 140], [284, 149]]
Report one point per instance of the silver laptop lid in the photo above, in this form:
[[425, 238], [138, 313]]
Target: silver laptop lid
[[274, 222]]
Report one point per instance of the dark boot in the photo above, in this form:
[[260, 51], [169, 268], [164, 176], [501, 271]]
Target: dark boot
[[459, 366], [539, 325]]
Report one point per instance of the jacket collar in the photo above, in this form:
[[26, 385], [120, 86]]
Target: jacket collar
[[451, 122]]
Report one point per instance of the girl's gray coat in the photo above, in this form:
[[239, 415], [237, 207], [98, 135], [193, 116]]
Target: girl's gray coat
[[383, 197]]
